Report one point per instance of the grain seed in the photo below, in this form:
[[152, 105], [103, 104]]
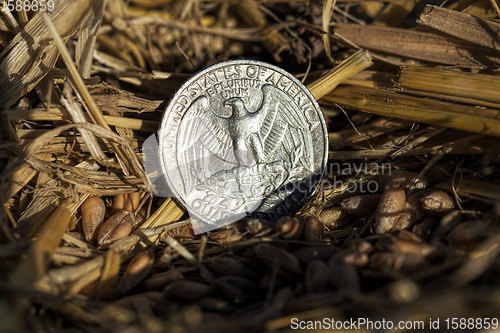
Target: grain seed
[[391, 205], [93, 211]]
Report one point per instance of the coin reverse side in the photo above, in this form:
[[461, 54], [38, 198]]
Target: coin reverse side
[[242, 138]]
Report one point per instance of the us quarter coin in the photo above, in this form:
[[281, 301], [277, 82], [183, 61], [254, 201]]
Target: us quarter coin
[[242, 138]]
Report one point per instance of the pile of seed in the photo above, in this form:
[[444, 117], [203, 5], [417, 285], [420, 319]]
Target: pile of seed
[[406, 242]]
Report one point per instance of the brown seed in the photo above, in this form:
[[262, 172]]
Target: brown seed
[[150, 299], [468, 235], [352, 257], [254, 225], [313, 229], [235, 288], [119, 202], [391, 205], [215, 304], [93, 211], [186, 290], [343, 276], [133, 201], [118, 226], [424, 228], [89, 289], [128, 204], [405, 246], [361, 205], [288, 227], [306, 254], [334, 218], [361, 245], [160, 280], [446, 251], [437, 203], [483, 258], [404, 179], [316, 277], [282, 298], [412, 212], [222, 266], [126, 201], [357, 259], [264, 282], [140, 217], [137, 270], [225, 237], [408, 235], [383, 242], [387, 240], [270, 255], [446, 224], [406, 263], [181, 233], [496, 213]]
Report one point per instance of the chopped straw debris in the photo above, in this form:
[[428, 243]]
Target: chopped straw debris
[[404, 226]]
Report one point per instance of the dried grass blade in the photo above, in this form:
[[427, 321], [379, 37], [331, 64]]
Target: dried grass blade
[[83, 281], [347, 68], [272, 39], [87, 35], [14, 26], [391, 104], [419, 140], [395, 13], [181, 250], [23, 17], [477, 262], [78, 117], [29, 56], [58, 114], [99, 183], [373, 129], [109, 274], [169, 212], [478, 8], [253, 34], [326, 16], [13, 182], [45, 200], [77, 274], [419, 45], [451, 82], [467, 27], [38, 257], [69, 274], [476, 188], [495, 5], [4, 25], [131, 163]]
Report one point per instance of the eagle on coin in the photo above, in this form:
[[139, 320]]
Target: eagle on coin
[[272, 143]]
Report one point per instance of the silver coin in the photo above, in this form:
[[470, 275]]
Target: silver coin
[[242, 138]]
